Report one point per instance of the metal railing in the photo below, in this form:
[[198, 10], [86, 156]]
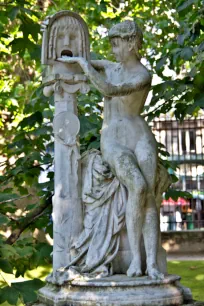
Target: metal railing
[[185, 143]]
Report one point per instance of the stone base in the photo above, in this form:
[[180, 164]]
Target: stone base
[[115, 291]]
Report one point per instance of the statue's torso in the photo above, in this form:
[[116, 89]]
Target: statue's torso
[[122, 121]]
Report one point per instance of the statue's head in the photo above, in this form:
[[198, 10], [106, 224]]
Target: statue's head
[[128, 35], [64, 34]]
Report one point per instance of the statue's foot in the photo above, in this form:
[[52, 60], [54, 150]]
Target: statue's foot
[[154, 273], [134, 269]]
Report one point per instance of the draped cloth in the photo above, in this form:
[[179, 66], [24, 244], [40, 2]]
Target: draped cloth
[[104, 199]]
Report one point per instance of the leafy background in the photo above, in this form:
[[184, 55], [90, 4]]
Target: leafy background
[[173, 41]]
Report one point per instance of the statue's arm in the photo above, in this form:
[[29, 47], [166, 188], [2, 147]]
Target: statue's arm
[[108, 89], [137, 83], [100, 64]]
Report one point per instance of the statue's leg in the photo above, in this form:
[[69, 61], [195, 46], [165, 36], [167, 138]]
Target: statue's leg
[[148, 164], [123, 162]]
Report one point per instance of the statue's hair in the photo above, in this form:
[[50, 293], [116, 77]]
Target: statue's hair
[[65, 22], [128, 30]]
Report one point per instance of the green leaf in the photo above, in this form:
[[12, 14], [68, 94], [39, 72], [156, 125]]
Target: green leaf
[[3, 219], [174, 178], [9, 294], [94, 145], [199, 100], [19, 45], [30, 28], [43, 252], [31, 12], [182, 37], [13, 13], [175, 194], [35, 52], [186, 53], [161, 62], [163, 153], [31, 120], [5, 266], [22, 190], [25, 251], [8, 251], [27, 289], [198, 103]]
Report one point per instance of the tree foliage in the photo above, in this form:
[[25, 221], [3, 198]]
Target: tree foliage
[[173, 47]]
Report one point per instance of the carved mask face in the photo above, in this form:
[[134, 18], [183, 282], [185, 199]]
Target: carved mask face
[[120, 49], [66, 38], [67, 42]]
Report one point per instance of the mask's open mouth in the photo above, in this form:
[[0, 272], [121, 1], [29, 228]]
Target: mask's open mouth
[[67, 53]]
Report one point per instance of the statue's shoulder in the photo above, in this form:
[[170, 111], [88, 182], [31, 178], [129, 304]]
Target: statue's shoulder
[[143, 73]]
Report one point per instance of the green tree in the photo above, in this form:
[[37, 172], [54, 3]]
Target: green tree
[[173, 38]]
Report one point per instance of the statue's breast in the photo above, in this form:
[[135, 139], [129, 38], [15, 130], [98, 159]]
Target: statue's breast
[[114, 74]]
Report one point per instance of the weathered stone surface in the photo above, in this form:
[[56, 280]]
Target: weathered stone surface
[[114, 291], [65, 33], [193, 303]]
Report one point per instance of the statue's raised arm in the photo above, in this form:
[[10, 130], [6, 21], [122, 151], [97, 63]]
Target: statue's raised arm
[[122, 78]]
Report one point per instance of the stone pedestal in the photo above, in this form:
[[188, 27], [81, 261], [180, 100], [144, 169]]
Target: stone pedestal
[[115, 291]]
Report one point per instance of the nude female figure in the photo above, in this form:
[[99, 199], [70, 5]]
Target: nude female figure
[[127, 143]]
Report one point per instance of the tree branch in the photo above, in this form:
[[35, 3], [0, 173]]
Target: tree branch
[[27, 220], [15, 199]]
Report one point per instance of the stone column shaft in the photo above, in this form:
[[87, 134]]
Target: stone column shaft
[[67, 209]]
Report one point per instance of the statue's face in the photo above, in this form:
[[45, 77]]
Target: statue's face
[[120, 49], [67, 43]]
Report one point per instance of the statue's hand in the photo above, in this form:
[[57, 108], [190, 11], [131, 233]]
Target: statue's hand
[[70, 60], [75, 60]]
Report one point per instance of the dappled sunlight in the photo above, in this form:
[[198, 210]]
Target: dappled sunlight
[[9, 278], [175, 262], [200, 277], [19, 303], [49, 239], [6, 233], [18, 212], [40, 272]]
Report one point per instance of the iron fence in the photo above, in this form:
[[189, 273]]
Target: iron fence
[[185, 143]]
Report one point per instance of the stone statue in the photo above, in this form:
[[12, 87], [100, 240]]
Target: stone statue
[[127, 144], [102, 193]]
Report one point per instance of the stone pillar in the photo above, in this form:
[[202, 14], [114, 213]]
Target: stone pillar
[[67, 209], [65, 34]]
